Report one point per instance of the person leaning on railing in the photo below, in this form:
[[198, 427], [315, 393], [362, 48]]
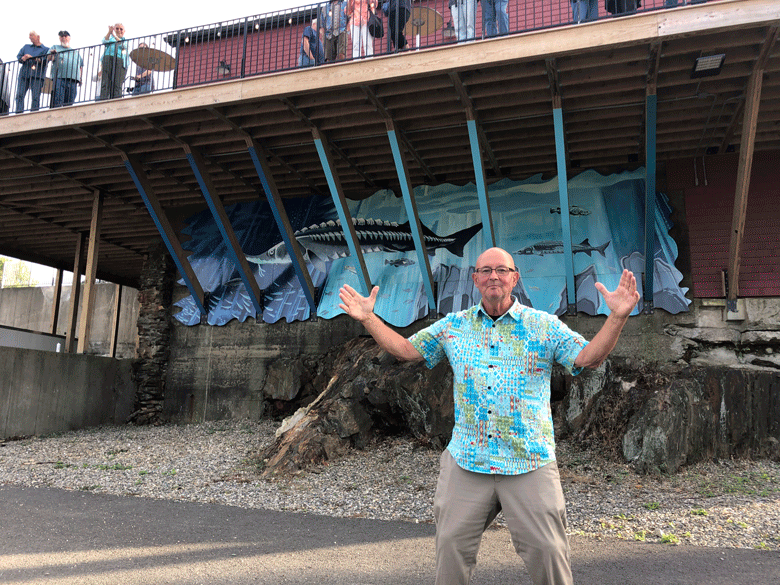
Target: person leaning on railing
[[32, 56], [334, 16], [495, 19], [398, 12], [357, 12], [464, 15], [144, 82], [114, 63], [67, 66], [312, 51]]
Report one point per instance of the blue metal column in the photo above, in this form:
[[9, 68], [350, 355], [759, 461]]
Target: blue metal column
[[337, 193], [282, 221], [235, 253], [650, 164], [166, 231], [489, 237], [411, 212], [563, 195]]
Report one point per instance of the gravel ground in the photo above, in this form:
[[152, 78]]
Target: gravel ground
[[730, 503]]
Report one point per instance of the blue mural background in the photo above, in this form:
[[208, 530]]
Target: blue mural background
[[607, 225]]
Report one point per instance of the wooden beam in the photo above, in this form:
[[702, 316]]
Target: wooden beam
[[650, 177], [145, 189], [746, 146], [232, 245], [488, 234], [411, 212], [385, 114], [85, 321], [55, 310], [340, 201], [262, 167], [471, 114], [115, 319], [75, 293]]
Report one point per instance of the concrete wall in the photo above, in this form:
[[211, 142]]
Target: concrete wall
[[43, 392], [219, 372], [31, 308]]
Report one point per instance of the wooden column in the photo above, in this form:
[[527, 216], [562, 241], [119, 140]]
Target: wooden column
[[55, 310], [115, 321], [85, 322], [75, 293]]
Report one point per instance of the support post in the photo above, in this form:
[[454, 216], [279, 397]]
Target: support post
[[235, 253], [115, 320], [563, 196], [75, 293], [650, 166], [340, 202], [282, 221], [55, 310], [411, 213], [489, 238], [157, 212]]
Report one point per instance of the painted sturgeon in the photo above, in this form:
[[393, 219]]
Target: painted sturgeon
[[556, 247], [325, 242]]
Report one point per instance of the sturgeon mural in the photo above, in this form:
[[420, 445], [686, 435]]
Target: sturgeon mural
[[606, 215]]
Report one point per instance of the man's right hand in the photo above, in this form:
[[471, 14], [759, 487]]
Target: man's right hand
[[356, 305]]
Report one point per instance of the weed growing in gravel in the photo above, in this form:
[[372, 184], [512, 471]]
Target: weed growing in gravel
[[699, 512], [670, 539], [114, 467], [652, 505], [641, 536], [89, 488]]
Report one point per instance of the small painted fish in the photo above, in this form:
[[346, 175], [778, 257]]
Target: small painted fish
[[398, 262]]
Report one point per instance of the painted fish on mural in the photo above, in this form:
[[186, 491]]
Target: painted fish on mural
[[398, 262], [573, 210], [325, 242], [556, 247]]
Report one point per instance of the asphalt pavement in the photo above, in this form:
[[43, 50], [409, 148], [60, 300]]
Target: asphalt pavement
[[53, 537]]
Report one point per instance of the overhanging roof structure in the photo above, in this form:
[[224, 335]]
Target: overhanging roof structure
[[447, 107]]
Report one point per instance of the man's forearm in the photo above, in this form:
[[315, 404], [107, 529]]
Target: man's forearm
[[391, 341], [593, 354]]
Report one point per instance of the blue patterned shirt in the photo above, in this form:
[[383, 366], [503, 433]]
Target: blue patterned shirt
[[501, 384]]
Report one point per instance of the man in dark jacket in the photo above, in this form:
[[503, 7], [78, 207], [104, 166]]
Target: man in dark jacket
[[31, 75], [398, 12]]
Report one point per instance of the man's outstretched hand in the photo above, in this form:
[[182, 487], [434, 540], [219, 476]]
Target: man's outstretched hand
[[624, 298], [356, 305]]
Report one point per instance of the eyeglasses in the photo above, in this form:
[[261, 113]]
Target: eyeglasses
[[500, 271]]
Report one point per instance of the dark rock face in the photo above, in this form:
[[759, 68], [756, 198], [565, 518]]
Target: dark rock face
[[154, 332], [366, 393], [663, 418], [658, 418]]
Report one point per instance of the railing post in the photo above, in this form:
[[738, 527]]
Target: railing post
[[243, 56]]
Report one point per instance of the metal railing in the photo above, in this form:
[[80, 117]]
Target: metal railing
[[278, 41]]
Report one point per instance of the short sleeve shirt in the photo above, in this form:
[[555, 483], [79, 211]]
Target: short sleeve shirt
[[501, 384]]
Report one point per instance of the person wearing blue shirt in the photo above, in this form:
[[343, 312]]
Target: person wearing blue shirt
[[312, 51], [66, 70], [114, 63], [584, 10], [495, 18], [32, 72], [502, 452]]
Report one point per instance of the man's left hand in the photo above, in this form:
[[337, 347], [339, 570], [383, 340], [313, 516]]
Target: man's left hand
[[624, 298]]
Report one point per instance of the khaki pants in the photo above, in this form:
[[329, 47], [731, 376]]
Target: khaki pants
[[466, 503]]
